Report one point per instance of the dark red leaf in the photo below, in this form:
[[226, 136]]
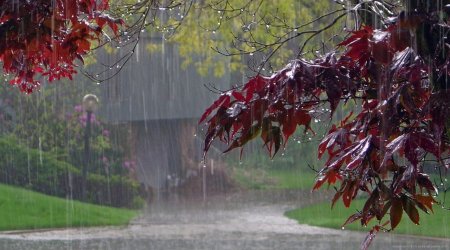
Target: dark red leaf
[[354, 217], [246, 136], [424, 181], [329, 175], [289, 125], [396, 211], [386, 208], [410, 209], [371, 201], [360, 154], [394, 146], [223, 100], [336, 196], [254, 86], [48, 42], [363, 33], [426, 142], [238, 96], [303, 118], [426, 200], [277, 139]]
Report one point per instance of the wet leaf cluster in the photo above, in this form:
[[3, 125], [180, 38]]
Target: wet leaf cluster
[[398, 75]]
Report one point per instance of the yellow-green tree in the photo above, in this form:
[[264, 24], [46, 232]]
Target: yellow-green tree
[[249, 32]]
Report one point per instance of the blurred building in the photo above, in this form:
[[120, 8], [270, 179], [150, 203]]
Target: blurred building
[[162, 102]]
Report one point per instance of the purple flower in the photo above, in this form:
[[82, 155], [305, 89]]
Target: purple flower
[[83, 119], [105, 133], [129, 164], [78, 108]]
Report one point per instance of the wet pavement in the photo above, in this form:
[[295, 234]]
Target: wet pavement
[[236, 221]]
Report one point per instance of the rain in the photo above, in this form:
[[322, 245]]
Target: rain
[[147, 135]]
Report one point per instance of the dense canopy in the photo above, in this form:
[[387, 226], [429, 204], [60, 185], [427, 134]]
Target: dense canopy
[[396, 71], [46, 37]]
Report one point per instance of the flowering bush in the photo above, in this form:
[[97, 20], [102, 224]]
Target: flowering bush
[[105, 158]]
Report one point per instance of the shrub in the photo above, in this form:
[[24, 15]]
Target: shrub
[[42, 172]]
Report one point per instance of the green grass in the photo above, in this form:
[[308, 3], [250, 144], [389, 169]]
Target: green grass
[[23, 209], [435, 225], [274, 178]]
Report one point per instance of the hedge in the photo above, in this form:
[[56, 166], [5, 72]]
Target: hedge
[[42, 172]]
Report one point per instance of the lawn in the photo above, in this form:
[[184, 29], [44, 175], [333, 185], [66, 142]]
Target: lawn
[[435, 225], [274, 178], [24, 209]]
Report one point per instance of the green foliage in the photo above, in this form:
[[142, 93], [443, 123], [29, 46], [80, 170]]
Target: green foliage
[[52, 120], [24, 209], [41, 171], [274, 178], [239, 28]]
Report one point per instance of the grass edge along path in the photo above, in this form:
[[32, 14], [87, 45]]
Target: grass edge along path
[[21, 209], [435, 224]]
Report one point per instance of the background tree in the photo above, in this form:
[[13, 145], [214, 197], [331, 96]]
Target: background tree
[[246, 31], [394, 66]]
